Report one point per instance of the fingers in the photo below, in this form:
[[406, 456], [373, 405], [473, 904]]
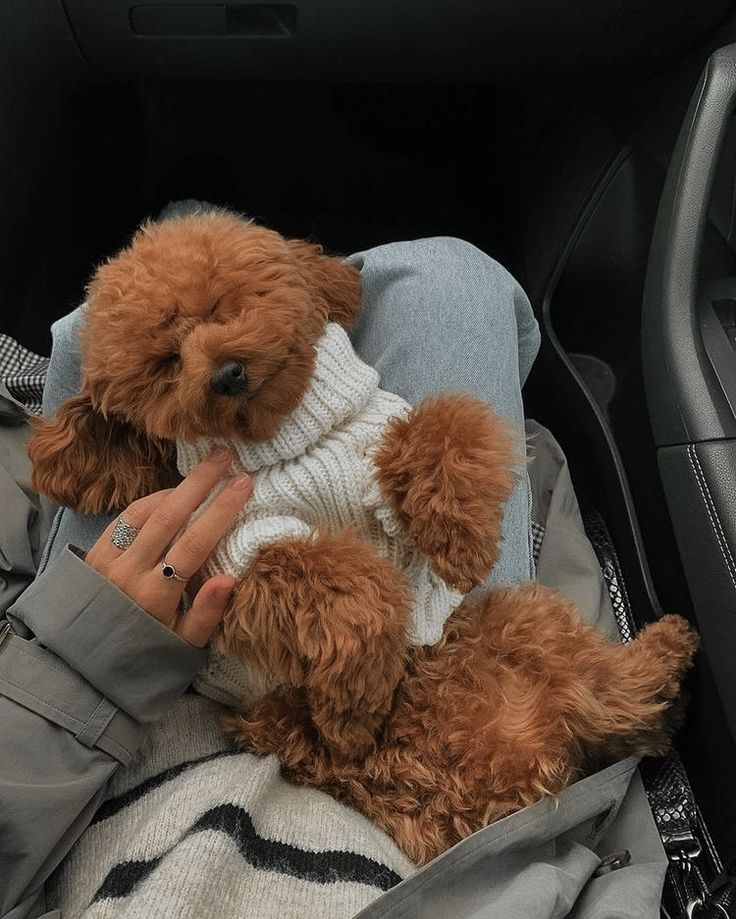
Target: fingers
[[168, 518], [159, 518], [195, 546], [136, 515], [206, 612]]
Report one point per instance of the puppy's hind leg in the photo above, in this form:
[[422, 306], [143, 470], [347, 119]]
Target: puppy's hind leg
[[597, 699], [637, 692]]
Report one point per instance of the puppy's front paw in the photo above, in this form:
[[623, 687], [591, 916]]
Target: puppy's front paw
[[448, 469]]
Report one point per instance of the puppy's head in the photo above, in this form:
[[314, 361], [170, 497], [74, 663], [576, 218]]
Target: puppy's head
[[203, 326]]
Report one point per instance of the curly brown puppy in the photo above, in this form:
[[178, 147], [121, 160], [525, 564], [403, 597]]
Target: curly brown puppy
[[210, 329], [368, 522]]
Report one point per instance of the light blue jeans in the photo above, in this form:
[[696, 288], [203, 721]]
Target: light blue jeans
[[438, 316]]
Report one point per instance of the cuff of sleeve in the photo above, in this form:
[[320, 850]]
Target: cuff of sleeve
[[127, 655]]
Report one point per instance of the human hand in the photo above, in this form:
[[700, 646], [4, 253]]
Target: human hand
[[159, 517]]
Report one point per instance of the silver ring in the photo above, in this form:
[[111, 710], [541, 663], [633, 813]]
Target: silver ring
[[123, 534], [169, 572]]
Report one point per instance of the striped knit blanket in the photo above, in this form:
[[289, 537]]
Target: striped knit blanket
[[193, 829]]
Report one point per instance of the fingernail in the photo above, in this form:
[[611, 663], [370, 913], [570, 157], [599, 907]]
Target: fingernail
[[222, 593], [241, 482], [220, 455]]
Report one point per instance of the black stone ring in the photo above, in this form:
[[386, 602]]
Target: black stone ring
[[169, 572]]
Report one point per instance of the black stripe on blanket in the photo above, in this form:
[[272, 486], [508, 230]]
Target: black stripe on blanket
[[113, 805], [124, 878], [328, 867]]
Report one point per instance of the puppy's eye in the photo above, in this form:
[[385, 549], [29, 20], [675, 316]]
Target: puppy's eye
[[212, 311], [260, 293], [169, 361]]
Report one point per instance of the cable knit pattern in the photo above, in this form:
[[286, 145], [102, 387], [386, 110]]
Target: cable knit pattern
[[318, 472]]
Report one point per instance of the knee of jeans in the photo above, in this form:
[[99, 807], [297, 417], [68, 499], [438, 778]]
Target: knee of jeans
[[446, 257], [481, 290], [479, 286]]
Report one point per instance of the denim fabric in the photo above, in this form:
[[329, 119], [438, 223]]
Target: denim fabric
[[438, 315]]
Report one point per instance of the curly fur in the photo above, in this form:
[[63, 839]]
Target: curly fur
[[327, 616], [448, 470], [89, 462], [518, 699]]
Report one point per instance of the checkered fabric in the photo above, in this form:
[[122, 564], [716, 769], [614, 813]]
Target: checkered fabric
[[538, 532], [23, 372]]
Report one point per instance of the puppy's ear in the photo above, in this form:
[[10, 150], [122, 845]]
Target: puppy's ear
[[336, 284], [96, 464]]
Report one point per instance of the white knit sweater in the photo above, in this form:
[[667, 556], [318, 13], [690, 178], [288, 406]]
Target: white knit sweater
[[318, 472]]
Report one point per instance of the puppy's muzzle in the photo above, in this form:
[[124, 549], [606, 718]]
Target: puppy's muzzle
[[229, 379]]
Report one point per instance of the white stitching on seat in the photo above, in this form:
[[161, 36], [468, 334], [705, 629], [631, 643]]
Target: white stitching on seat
[[726, 546], [712, 513]]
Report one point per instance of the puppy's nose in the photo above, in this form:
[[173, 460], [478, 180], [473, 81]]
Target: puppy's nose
[[229, 379]]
